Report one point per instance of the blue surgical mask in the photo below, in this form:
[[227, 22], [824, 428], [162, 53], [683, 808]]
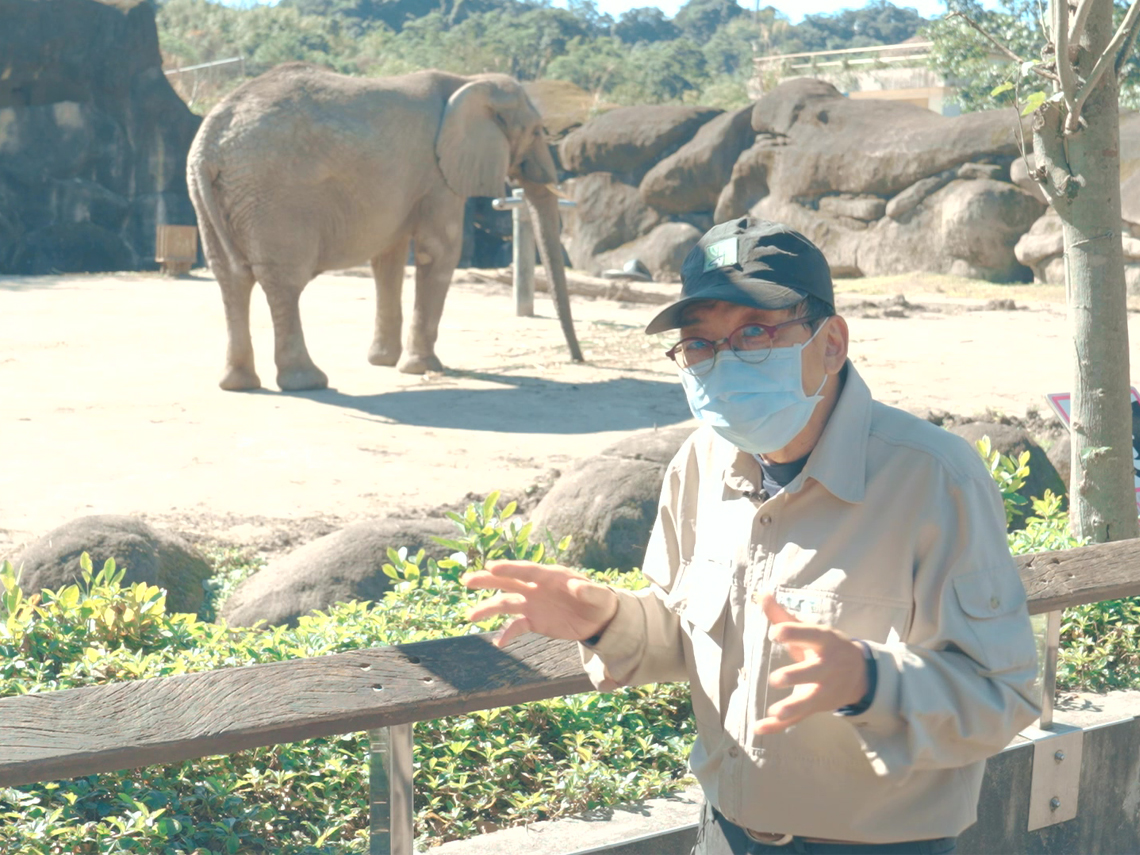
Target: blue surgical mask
[[758, 407]]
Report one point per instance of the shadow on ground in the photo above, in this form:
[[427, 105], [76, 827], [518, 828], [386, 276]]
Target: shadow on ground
[[523, 405]]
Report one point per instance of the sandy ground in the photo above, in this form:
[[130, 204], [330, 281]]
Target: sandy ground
[[110, 401]]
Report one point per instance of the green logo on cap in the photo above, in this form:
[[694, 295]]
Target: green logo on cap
[[720, 254]]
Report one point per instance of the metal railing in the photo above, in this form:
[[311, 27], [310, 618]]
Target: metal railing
[[523, 248], [385, 690], [905, 52]]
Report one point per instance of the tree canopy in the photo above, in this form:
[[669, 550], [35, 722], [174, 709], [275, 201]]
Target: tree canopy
[[704, 53]]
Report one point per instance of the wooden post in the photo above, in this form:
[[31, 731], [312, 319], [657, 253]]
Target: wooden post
[[390, 785], [522, 252], [176, 248]]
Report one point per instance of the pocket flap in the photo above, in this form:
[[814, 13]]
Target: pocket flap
[[702, 594], [989, 593]]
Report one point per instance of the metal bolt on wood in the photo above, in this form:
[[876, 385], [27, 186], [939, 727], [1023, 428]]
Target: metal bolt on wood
[[390, 785]]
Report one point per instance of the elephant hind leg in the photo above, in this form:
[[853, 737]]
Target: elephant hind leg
[[237, 287], [439, 243], [295, 368], [388, 271]]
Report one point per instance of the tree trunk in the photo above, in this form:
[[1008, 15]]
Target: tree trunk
[[1082, 173]]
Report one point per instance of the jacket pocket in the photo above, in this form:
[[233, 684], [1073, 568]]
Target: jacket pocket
[[992, 604]]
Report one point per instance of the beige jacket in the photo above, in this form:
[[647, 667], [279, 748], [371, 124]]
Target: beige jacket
[[894, 533]]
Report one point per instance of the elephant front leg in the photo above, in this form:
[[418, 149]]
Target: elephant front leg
[[236, 290], [388, 271], [295, 368], [435, 263]]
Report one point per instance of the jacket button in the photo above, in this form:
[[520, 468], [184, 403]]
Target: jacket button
[[734, 752], [766, 519], [995, 602]]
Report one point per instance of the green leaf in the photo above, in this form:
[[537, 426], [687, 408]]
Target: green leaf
[[1035, 100], [998, 90]]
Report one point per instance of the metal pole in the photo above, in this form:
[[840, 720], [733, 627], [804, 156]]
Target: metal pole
[[1049, 681], [390, 782], [522, 252]]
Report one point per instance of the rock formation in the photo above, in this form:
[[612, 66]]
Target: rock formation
[[93, 139]]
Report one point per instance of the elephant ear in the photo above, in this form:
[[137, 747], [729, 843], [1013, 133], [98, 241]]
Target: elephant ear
[[473, 151]]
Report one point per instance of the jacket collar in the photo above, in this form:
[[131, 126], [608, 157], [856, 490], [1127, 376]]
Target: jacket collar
[[838, 461]]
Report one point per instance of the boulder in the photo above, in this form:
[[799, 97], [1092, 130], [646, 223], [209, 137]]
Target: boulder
[[628, 141], [147, 554], [344, 566], [662, 250], [872, 147], [992, 171], [608, 503], [91, 132], [1060, 455], [968, 228], [691, 179], [609, 213], [1019, 175], [910, 198], [1132, 279], [1043, 243], [847, 205], [1012, 441], [748, 183], [982, 220]]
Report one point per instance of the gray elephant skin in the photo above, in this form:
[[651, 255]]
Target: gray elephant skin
[[302, 170]]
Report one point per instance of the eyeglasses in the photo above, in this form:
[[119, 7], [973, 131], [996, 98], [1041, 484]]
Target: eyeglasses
[[751, 343]]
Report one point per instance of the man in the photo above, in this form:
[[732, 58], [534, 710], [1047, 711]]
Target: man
[[830, 574]]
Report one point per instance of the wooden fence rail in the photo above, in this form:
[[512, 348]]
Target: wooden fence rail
[[165, 720]]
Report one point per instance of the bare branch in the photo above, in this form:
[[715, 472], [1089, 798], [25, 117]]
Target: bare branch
[[1129, 40], [1037, 69], [1121, 40], [1066, 74], [1078, 25]]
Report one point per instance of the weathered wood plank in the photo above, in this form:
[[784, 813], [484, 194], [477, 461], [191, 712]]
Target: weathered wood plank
[[124, 725], [1089, 574]]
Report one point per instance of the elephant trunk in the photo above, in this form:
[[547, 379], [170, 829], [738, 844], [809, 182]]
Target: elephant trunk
[[543, 205]]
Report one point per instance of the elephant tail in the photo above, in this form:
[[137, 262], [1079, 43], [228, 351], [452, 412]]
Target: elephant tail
[[200, 182]]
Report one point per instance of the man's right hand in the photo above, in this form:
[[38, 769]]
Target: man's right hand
[[553, 601]]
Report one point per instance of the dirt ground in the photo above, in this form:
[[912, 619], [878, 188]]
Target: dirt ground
[[110, 401]]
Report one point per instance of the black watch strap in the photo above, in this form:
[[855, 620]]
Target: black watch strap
[[864, 702]]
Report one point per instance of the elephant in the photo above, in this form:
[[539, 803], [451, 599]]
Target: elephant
[[303, 170]]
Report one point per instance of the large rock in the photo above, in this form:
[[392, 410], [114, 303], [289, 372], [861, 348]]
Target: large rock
[[340, 567], [663, 251], [748, 183], [1043, 243], [968, 228], [1012, 441], [872, 147], [147, 554], [692, 178], [608, 503], [609, 213], [1042, 249], [91, 133], [628, 141]]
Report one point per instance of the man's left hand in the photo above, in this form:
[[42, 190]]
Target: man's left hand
[[830, 671]]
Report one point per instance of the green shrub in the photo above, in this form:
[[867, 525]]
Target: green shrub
[[1100, 642], [498, 767]]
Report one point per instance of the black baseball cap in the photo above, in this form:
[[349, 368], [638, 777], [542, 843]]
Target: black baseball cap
[[753, 263]]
